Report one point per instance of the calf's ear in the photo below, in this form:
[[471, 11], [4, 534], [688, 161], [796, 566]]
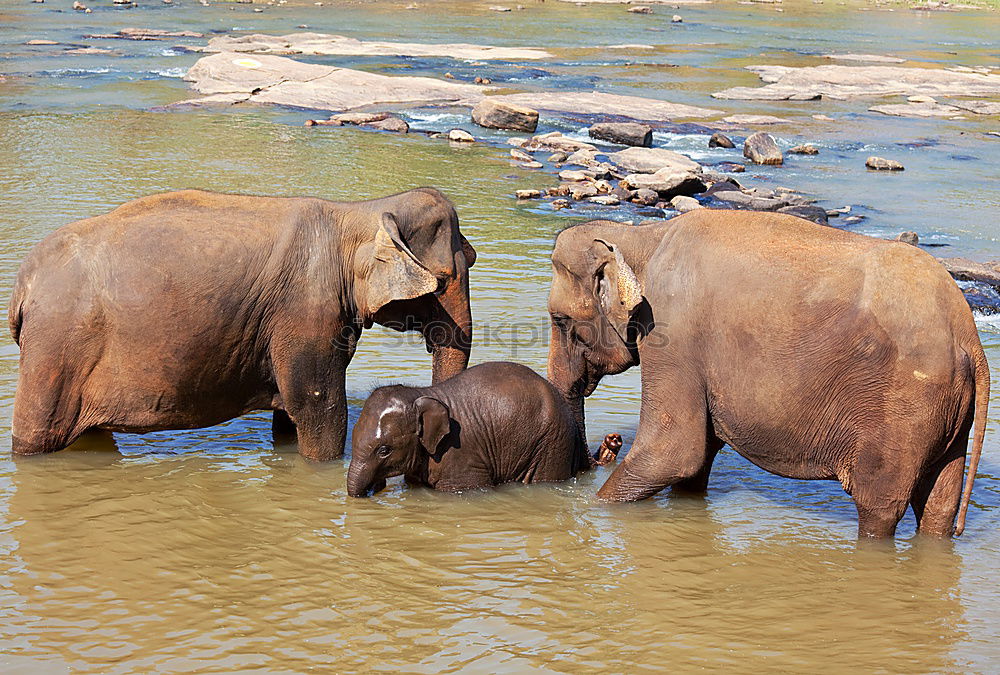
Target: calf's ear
[[433, 422]]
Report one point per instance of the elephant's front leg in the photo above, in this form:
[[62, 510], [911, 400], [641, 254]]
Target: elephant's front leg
[[312, 385], [670, 447]]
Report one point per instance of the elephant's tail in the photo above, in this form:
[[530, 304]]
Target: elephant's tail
[[14, 315], [982, 376]]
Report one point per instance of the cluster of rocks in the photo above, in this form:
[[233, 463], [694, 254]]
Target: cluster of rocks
[[378, 120], [646, 177]]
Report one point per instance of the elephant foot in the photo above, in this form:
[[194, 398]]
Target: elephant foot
[[608, 452]]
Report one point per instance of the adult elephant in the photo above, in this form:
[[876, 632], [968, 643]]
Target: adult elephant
[[813, 352], [186, 309]]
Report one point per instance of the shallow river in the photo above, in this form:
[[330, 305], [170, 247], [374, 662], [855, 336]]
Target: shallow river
[[214, 551]]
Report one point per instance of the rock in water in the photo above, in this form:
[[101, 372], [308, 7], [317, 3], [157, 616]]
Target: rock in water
[[395, 124], [527, 194], [882, 164], [685, 204], [646, 197], [498, 115], [720, 140], [760, 148], [909, 237], [804, 150], [640, 9], [460, 136], [651, 160], [676, 18], [807, 212], [623, 133]]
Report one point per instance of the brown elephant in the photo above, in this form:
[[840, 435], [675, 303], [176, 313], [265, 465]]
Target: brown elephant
[[186, 309], [813, 352]]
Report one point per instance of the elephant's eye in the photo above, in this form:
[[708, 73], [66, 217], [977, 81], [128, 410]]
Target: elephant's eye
[[383, 451], [561, 321]]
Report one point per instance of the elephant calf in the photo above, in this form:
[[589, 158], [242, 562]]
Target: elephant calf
[[492, 424]]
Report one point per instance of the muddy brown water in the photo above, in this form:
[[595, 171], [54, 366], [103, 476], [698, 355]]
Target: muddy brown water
[[214, 551]]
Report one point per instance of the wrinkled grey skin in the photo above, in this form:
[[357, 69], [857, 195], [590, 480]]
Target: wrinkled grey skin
[[186, 309], [813, 352], [494, 423]]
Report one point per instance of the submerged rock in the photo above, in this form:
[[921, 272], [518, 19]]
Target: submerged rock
[[804, 150], [760, 148], [882, 164], [495, 114], [720, 140], [527, 194], [623, 133]]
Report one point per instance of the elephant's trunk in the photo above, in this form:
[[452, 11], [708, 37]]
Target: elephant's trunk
[[361, 481], [449, 336], [567, 381]]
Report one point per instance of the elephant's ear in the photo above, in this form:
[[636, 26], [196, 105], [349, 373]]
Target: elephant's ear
[[615, 285], [470, 253], [390, 270], [433, 422]]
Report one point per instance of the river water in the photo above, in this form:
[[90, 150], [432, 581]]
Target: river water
[[214, 551]]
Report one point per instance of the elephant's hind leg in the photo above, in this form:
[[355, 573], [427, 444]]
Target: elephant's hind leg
[[882, 486]]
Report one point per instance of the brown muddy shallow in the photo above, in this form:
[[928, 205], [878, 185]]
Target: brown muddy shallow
[[214, 551]]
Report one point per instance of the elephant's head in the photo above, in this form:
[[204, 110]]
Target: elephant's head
[[397, 433], [412, 273], [592, 303]]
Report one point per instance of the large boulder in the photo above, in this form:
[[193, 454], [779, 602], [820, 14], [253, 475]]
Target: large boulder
[[651, 160], [500, 115], [967, 270], [623, 133], [554, 140], [667, 182], [760, 148]]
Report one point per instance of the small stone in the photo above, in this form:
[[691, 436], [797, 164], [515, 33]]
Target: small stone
[[603, 186], [882, 164], [449, 76], [460, 136], [531, 165], [79, 6], [732, 167], [561, 204], [909, 237], [582, 157], [572, 175], [720, 140], [851, 220], [41, 42], [760, 148], [499, 8], [558, 157], [684, 203], [394, 124], [606, 200], [676, 18], [483, 80], [521, 155], [823, 118], [640, 9], [557, 191], [527, 194], [804, 150], [623, 133], [499, 115], [646, 197], [921, 99]]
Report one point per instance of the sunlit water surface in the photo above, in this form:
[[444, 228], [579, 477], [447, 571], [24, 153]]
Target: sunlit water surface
[[214, 551]]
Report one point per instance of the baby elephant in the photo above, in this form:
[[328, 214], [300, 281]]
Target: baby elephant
[[492, 424]]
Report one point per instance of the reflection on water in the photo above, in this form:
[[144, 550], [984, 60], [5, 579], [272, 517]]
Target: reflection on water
[[212, 551]]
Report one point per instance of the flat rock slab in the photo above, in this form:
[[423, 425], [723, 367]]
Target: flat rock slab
[[598, 103], [282, 81], [842, 82], [652, 160], [755, 119], [967, 270], [145, 34], [322, 44], [922, 109], [276, 80]]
